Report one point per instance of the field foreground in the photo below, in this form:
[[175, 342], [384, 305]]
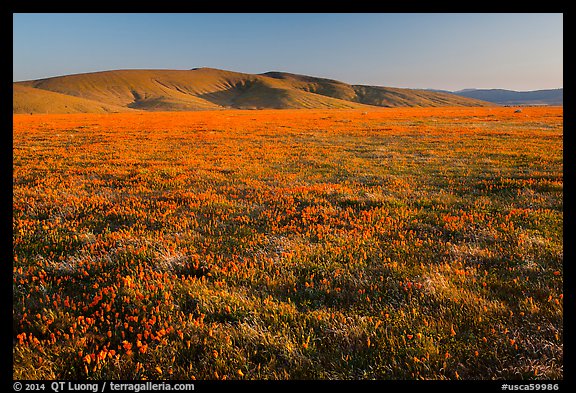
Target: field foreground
[[322, 244]]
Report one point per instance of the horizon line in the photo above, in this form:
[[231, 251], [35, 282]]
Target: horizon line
[[286, 72]]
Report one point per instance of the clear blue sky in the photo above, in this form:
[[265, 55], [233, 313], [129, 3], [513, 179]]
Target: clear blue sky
[[441, 51]]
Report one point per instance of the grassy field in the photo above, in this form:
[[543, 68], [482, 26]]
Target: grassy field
[[337, 244]]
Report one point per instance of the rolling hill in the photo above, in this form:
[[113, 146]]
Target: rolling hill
[[210, 89], [31, 100], [511, 97], [373, 95]]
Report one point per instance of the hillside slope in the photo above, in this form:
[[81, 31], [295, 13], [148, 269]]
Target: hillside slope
[[30, 100], [209, 89], [373, 95]]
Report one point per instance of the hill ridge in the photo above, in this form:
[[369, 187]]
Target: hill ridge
[[207, 88]]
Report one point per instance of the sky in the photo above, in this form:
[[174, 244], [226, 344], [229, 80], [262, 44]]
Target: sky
[[436, 51]]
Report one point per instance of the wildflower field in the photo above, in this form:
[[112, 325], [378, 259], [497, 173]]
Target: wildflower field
[[406, 243]]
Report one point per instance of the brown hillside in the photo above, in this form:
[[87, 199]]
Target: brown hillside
[[374, 95], [30, 100], [209, 89]]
